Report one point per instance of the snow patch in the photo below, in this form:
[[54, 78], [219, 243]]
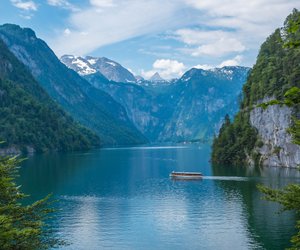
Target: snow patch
[[92, 61], [112, 63], [187, 79], [85, 69]]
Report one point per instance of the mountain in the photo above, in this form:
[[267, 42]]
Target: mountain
[[191, 108], [156, 78], [30, 121], [112, 70], [266, 130], [90, 106], [139, 78], [200, 98], [142, 105]]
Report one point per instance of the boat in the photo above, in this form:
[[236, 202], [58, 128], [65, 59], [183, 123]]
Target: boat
[[186, 175]]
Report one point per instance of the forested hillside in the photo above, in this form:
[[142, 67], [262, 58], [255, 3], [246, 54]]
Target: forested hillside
[[30, 120], [90, 106]]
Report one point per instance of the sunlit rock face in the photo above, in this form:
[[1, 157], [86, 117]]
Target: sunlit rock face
[[272, 125]]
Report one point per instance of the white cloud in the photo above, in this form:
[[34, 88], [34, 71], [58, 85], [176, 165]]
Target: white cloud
[[67, 32], [128, 19], [254, 19], [210, 31], [231, 62], [212, 43], [167, 69], [232, 26], [28, 16], [63, 4], [203, 66], [219, 48], [102, 3], [24, 5]]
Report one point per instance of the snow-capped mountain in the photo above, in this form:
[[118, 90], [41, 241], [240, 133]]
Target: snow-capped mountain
[[112, 70]]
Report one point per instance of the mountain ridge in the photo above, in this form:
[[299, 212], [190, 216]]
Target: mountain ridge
[[30, 120], [157, 110], [88, 105]]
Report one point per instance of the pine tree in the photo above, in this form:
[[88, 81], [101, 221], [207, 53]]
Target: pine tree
[[22, 226]]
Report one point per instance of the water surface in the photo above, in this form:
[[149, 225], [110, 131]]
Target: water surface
[[122, 198]]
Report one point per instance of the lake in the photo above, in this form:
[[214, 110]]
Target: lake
[[123, 198]]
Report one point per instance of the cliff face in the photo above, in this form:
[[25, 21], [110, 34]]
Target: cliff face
[[272, 124]]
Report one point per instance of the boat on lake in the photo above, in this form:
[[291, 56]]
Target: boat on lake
[[186, 175]]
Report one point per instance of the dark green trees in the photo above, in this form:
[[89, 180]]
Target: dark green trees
[[22, 227], [234, 141]]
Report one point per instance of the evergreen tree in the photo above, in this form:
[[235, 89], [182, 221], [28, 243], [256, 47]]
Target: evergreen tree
[[22, 227]]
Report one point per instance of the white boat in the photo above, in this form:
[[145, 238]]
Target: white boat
[[186, 175]]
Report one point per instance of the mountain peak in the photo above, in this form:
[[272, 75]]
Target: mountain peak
[[139, 78], [87, 65], [18, 31], [156, 78], [228, 72]]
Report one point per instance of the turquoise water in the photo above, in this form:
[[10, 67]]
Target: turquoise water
[[122, 198]]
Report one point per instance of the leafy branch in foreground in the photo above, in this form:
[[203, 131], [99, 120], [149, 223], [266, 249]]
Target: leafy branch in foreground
[[22, 226], [289, 198]]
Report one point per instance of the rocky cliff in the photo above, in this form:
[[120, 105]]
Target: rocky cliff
[[272, 125]]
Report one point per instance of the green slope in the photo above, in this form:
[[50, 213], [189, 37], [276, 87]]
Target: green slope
[[29, 118], [90, 106]]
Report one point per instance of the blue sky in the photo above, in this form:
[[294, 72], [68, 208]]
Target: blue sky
[[168, 36]]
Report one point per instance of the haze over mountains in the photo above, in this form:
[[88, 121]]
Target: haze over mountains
[[105, 97], [189, 108]]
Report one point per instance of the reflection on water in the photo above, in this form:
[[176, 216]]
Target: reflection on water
[[226, 178], [123, 199]]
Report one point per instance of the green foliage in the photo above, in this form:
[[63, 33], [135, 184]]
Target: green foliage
[[292, 97], [292, 30], [277, 68], [295, 131], [22, 227], [29, 118], [265, 105], [235, 141], [289, 198]]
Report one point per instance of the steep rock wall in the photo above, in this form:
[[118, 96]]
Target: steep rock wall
[[272, 124]]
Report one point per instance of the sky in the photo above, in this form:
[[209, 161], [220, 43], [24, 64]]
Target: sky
[[148, 36]]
